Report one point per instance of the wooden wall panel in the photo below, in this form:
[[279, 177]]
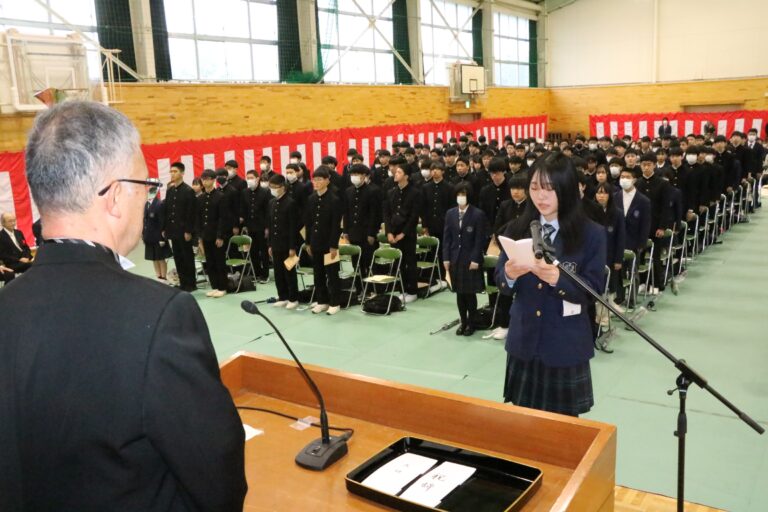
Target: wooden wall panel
[[570, 107]]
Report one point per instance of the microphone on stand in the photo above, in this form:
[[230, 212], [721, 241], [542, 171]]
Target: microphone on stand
[[536, 241], [323, 452]]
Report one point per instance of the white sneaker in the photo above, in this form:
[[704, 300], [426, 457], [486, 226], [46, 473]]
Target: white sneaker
[[444, 284], [292, 305], [654, 291], [618, 308], [641, 288], [500, 334], [280, 304], [407, 298], [320, 308], [333, 310], [211, 293], [219, 294], [435, 288]]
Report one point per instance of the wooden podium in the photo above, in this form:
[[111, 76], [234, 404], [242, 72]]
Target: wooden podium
[[578, 457]]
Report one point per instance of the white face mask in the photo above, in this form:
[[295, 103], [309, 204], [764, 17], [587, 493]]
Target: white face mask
[[530, 162], [592, 146], [654, 149], [691, 159], [264, 184], [426, 174], [626, 183], [615, 171], [264, 167], [709, 158], [252, 184], [461, 200], [356, 180], [438, 146], [290, 177], [231, 174], [274, 192], [294, 160]]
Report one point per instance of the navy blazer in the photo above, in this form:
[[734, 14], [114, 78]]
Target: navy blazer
[[537, 327], [637, 222], [466, 245]]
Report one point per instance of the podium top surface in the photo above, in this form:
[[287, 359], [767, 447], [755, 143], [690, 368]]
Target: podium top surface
[[576, 456]]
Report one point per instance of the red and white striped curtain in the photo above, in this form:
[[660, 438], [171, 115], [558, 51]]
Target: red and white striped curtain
[[682, 123], [209, 154]]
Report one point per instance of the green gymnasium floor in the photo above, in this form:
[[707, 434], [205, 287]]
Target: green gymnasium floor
[[717, 323]]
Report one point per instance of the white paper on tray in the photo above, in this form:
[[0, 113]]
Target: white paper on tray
[[433, 487], [397, 473]]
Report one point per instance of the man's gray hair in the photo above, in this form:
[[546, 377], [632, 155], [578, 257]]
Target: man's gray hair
[[74, 150]]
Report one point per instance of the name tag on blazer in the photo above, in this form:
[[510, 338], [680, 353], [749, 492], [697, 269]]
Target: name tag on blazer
[[571, 309]]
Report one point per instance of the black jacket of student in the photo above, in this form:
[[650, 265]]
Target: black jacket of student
[[362, 216], [283, 215], [401, 211], [9, 253], [254, 205], [213, 216], [637, 221], [322, 220], [437, 199], [613, 221], [464, 244], [731, 167], [696, 191], [470, 180], [178, 214], [114, 401], [152, 232], [231, 203], [508, 211], [656, 189], [491, 197]]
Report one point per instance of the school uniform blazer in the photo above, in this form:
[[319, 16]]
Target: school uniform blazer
[[637, 221], [537, 327], [152, 232], [465, 245], [110, 394]]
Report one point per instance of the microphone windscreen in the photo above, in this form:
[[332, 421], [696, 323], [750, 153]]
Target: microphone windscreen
[[249, 307]]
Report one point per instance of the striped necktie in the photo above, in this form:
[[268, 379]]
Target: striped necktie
[[548, 230]]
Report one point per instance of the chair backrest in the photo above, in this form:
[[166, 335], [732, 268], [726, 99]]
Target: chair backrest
[[427, 241], [390, 254], [490, 261], [382, 238], [241, 240], [349, 250]]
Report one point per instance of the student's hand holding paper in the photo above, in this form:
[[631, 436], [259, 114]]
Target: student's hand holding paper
[[514, 270], [546, 272]]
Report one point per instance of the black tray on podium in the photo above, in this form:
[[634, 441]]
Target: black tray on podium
[[497, 485]]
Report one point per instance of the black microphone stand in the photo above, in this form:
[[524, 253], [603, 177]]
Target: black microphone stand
[[320, 453], [687, 376]]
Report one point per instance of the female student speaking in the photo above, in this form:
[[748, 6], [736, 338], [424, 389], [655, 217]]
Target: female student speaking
[[549, 342]]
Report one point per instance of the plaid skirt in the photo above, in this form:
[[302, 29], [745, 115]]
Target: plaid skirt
[[561, 390], [464, 280]]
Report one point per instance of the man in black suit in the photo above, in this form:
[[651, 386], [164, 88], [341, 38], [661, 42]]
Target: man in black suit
[[14, 251], [178, 224], [114, 401], [665, 129]]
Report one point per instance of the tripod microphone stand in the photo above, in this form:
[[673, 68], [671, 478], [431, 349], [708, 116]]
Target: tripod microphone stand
[[686, 377]]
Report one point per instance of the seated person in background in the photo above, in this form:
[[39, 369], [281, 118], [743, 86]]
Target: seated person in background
[[14, 251], [464, 241], [6, 274]]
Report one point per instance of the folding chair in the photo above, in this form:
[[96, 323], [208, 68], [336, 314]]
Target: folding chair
[[603, 336], [424, 246], [200, 269], [489, 263], [712, 225], [667, 255], [692, 241], [630, 263], [720, 217], [731, 207], [646, 267], [703, 230], [681, 247], [351, 254], [243, 243], [303, 272], [384, 256]]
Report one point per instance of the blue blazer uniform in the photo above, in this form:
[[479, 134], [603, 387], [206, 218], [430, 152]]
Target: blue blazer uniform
[[538, 325], [462, 246], [637, 222]]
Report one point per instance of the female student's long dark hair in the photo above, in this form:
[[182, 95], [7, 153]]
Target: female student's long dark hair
[[608, 216], [557, 171]]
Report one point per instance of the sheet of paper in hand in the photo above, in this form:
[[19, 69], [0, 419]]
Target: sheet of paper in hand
[[519, 251]]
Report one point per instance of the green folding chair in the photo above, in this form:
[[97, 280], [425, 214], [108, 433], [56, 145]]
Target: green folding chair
[[303, 272], [489, 263], [426, 245], [243, 243], [391, 257], [349, 253]]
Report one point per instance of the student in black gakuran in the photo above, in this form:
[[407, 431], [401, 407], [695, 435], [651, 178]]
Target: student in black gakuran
[[549, 342], [283, 242]]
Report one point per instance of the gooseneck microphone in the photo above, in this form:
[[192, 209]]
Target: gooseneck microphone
[[537, 241], [320, 453]]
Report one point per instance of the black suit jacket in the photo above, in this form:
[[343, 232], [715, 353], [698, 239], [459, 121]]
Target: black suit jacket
[[665, 130], [113, 401], [9, 253], [637, 221]]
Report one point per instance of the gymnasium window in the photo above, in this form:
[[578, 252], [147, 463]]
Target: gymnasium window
[[439, 46], [223, 40], [511, 50], [28, 17], [341, 24]]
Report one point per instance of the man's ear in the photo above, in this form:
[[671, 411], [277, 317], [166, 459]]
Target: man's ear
[[111, 200]]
